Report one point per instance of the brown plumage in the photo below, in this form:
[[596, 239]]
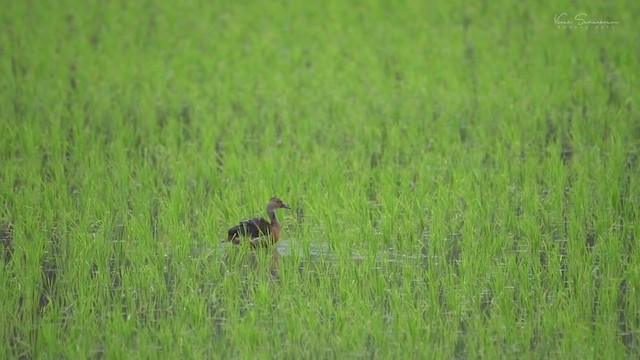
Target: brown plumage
[[257, 228]]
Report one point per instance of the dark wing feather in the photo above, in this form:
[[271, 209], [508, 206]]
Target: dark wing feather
[[251, 228]]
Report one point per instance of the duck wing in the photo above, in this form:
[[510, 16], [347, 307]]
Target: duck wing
[[252, 228]]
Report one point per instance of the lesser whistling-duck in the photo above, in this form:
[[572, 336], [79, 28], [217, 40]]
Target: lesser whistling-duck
[[257, 228]]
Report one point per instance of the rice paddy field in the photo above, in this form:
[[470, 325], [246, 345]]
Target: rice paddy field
[[464, 179]]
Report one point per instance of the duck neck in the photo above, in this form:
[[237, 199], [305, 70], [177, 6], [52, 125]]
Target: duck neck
[[272, 216]]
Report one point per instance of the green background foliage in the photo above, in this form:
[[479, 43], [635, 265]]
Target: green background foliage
[[464, 179]]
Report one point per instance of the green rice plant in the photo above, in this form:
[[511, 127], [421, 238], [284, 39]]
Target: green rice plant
[[463, 180]]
